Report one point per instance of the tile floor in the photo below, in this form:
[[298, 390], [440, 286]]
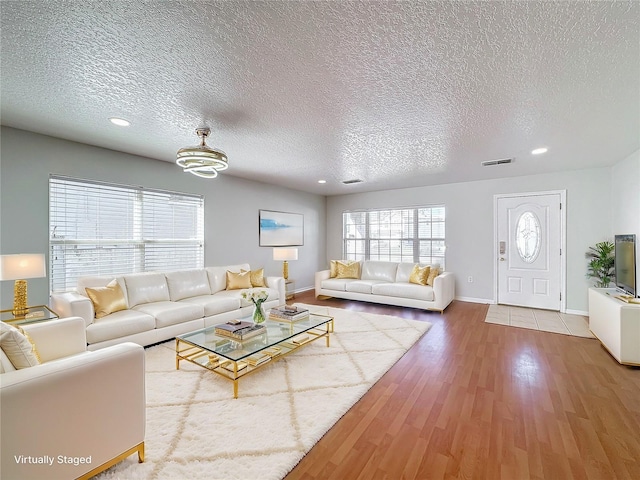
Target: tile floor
[[543, 320]]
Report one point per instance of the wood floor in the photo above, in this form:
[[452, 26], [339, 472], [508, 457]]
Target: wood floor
[[480, 401]]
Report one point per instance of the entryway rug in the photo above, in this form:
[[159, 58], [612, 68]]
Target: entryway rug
[[543, 320], [196, 430]]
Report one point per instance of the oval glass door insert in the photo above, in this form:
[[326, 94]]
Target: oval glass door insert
[[528, 237]]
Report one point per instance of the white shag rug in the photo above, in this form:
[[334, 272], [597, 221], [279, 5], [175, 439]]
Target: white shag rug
[[196, 430]]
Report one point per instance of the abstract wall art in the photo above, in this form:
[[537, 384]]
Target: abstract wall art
[[281, 229]]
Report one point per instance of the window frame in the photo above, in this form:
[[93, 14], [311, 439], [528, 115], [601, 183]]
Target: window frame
[[160, 229], [368, 231]]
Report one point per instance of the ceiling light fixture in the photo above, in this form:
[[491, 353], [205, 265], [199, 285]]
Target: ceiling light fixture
[[539, 151], [322, 181], [121, 122], [202, 160]]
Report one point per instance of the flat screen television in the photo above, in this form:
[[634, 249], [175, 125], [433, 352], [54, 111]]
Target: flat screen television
[[625, 263]]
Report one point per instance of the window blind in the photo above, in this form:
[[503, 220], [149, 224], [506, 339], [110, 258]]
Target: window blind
[[99, 228], [414, 234]]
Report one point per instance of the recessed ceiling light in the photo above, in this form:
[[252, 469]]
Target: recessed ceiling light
[[121, 122], [539, 151], [322, 181]]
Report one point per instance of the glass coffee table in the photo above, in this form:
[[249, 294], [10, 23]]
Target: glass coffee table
[[234, 359]]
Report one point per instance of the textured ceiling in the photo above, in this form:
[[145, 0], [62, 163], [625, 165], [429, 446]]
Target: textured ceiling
[[397, 94]]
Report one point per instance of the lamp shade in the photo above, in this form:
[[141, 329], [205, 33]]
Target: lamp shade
[[22, 266], [285, 253]]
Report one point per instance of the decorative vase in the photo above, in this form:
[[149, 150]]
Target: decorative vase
[[258, 314]]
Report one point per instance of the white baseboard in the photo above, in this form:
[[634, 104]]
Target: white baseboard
[[303, 289], [491, 302], [576, 312], [475, 300], [471, 300]]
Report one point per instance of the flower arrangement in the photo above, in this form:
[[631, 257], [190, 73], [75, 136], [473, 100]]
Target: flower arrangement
[[257, 297]]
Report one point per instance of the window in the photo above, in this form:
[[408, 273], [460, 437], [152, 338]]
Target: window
[[528, 237], [104, 229], [398, 235]]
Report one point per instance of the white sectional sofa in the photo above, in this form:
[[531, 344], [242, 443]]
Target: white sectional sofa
[[163, 305], [388, 283], [84, 411]]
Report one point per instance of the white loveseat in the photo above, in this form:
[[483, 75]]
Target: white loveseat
[[76, 413], [163, 305], [388, 283]]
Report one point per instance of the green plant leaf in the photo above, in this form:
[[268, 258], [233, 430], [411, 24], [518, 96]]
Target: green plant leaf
[[601, 263]]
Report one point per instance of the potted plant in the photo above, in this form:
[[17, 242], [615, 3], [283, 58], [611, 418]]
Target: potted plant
[[601, 263]]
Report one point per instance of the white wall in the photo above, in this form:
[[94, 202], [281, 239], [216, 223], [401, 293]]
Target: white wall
[[595, 211], [231, 205], [469, 224], [625, 201]]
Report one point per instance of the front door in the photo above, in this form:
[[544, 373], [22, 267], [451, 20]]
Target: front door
[[529, 237]]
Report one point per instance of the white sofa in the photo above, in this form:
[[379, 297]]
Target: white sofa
[[81, 411], [388, 283], [163, 305]]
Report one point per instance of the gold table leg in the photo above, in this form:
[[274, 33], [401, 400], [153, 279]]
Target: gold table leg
[[177, 357]]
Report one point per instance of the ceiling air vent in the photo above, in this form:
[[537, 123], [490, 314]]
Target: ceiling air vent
[[489, 163], [349, 182]]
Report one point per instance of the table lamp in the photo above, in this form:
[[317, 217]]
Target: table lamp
[[20, 267], [285, 254]]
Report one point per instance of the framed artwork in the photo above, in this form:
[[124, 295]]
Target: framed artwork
[[281, 229]]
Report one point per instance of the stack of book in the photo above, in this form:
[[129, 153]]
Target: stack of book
[[228, 365], [257, 359], [273, 351], [239, 330], [300, 339], [214, 361], [288, 313]]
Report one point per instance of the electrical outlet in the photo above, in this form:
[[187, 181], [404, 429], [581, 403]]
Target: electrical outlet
[[470, 279]]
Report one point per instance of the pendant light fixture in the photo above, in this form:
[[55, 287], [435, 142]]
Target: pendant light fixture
[[202, 160]]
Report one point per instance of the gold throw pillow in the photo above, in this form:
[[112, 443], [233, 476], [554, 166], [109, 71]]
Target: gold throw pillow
[[435, 271], [257, 278], [333, 269], [18, 347], [107, 300], [347, 270], [419, 275], [238, 281]]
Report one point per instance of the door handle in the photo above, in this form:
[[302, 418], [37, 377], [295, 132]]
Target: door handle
[[502, 259]]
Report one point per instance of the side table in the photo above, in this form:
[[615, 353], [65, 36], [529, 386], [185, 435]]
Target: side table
[[37, 313]]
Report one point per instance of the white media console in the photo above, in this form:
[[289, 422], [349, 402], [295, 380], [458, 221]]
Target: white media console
[[616, 324]]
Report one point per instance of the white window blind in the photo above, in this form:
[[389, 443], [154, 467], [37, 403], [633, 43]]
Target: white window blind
[[104, 229], [414, 234]]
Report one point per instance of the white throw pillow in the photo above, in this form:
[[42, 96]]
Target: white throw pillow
[[18, 347], [5, 363]]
